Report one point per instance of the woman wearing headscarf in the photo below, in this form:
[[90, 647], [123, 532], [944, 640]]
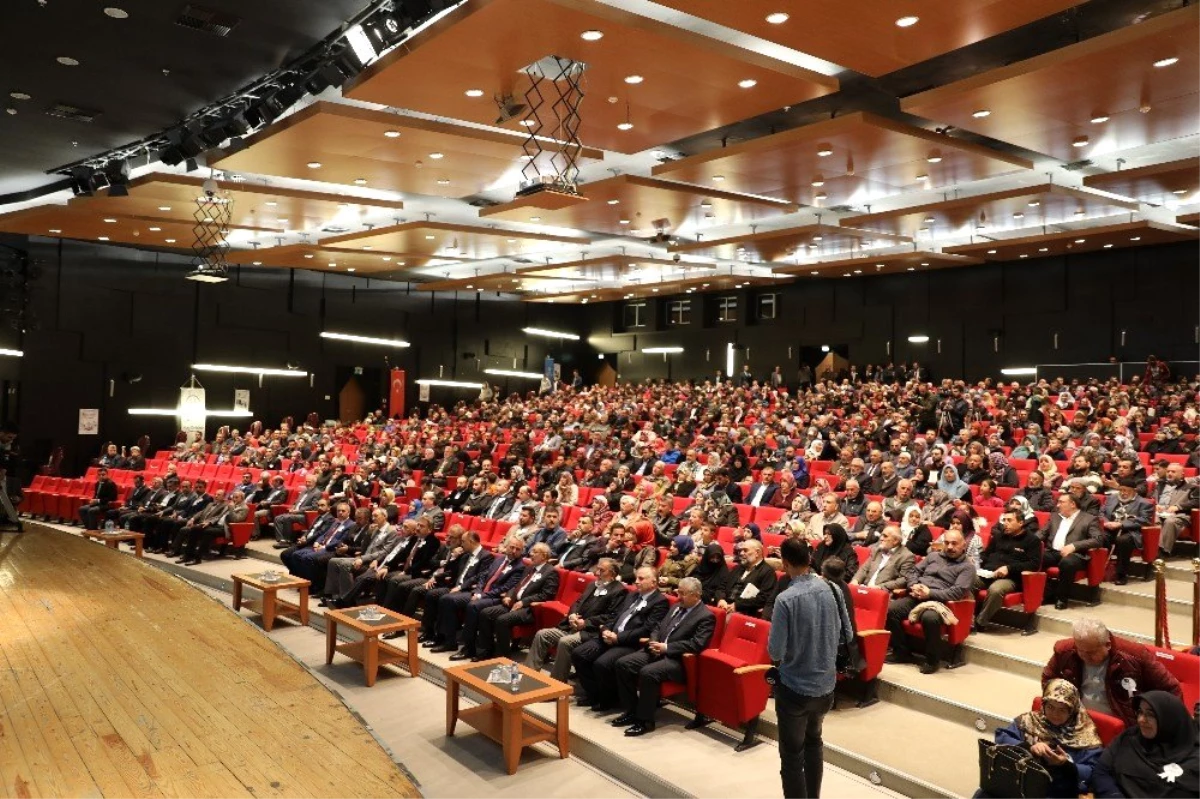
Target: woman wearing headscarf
[[836, 544], [1031, 444], [681, 562], [1157, 758], [921, 487], [1051, 478], [963, 520], [1000, 470], [950, 483], [914, 533], [713, 573], [640, 551], [1061, 735]]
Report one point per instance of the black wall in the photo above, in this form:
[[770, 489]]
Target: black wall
[[103, 312], [1153, 294]]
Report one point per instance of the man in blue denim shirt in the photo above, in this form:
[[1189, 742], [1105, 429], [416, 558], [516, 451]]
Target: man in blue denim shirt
[[808, 624]]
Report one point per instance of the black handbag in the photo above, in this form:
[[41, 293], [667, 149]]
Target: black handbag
[[1006, 770], [849, 661]]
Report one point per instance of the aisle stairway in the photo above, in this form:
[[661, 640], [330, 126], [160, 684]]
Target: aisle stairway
[[919, 740]]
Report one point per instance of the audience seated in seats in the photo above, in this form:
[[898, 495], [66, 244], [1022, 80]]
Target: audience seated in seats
[[201, 535], [1156, 757], [1011, 550], [868, 526], [353, 543], [367, 582], [325, 533], [406, 593], [595, 659], [139, 496], [854, 503], [751, 583], [550, 534], [915, 534], [1061, 735], [836, 544], [342, 571], [463, 577], [161, 530], [830, 514], [639, 551], [96, 508], [890, 564], [686, 629], [591, 611], [763, 490], [895, 506], [941, 577], [538, 583], [1108, 671], [1035, 492], [1174, 498], [1122, 518], [458, 612], [276, 495], [681, 562], [583, 547], [1067, 537]]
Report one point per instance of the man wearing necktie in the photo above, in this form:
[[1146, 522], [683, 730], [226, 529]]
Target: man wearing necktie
[[392, 560], [595, 660], [504, 575], [295, 515], [687, 629], [539, 583], [322, 527], [589, 613]]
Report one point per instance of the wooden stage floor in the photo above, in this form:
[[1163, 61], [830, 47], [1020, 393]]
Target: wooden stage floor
[[117, 679]]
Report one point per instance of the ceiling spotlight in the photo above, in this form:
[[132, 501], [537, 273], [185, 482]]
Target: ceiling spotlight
[[155, 230], [67, 61], [718, 178], [934, 158], [102, 238], [169, 241], [474, 92], [623, 222], [614, 202], [981, 113], [858, 271], [1180, 192], [360, 181], [256, 263], [1043, 249], [624, 126], [392, 134], [907, 22], [429, 237], [991, 252], [1099, 120], [1080, 212], [930, 220], [824, 150], [1080, 241], [1018, 215], [817, 238], [778, 18], [634, 79], [535, 219], [1107, 246], [308, 255], [1034, 203], [1162, 62], [110, 221], [349, 268], [748, 83], [1024, 255], [314, 164], [1135, 238], [443, 182], [592, 36], [55, 230], [1080, 141], [818, 182], [437, 156], [819, 195]]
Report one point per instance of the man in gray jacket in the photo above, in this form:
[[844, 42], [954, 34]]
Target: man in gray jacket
[[889, 565], [342, 571], [944, 576]]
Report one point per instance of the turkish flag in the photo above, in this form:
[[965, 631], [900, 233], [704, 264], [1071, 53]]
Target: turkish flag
[[396, 395]]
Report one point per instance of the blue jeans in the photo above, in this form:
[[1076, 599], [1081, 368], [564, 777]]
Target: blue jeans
[[801, 750]]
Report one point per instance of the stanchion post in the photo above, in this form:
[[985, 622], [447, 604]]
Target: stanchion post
[[1160, 604], [1195, 601]]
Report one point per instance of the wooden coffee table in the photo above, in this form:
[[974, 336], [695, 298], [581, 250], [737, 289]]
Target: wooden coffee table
[[271, 605], [370, 651], [113, 540], [503, 719]]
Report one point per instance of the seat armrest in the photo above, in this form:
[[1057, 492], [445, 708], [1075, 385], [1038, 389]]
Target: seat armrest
[[1033, 588]]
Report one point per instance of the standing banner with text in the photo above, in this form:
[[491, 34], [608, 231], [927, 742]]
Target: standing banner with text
[[396, 394], [192, 413], [550, 371]]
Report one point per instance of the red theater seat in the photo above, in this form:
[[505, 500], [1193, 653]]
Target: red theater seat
[[964, 611], [1107, 727], [730, 679]]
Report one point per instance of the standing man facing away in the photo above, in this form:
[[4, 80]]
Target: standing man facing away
[[808, 624]]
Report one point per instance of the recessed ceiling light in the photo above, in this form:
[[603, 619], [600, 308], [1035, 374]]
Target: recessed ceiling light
[[256, 263], [366, 246], [624, 126], [934, 159], [429, 237], [924, 263], [981, 113], [308, 255], [592, 36], [1080, 241], [1107, 246], [360, 181], [1024, 255], [1043, 249], [991, 252], [155, 230], [535, 219], [1034, 203], [718, 178], [623, 222], [528, 123], [19, 95], [907, 22], [1180, 192], [110, 221], [1018, 215], [1080, 141], [748, 83], [634, 79], [349, 268], [1099, 120], [818, 182], [443, 182], [1135, 238], [470, 285], [392, 134], [270, 203], [474, 92], [824, 150], [314, 164], [387, 257], [103, 238], [283, 221], [67, 61], [930, 219], [116, 13], [614, 202], [778, 18], [819, 195], [911, 269], [817, 238], [333, 263], [922, 176], [655, 290], [55, 230], [1080, 212], [1166, 62], [170, 241], [164, 208], [437, 156]]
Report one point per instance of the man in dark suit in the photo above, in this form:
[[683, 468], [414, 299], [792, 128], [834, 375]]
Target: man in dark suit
[[594, 608], [686, 629], [502, 501], [164, 529], [394, 558], [419, 563], [454, 501], [106, 492], [1068, 536], [468, 573], [726, 486], [538, 584], [595, 660], [1122, 519], [277, 495], [159, 504], [321, 532], [1010, 553], [761, 493], [501, 578], [869, 526], [577, 554], [752, 583], [138, 498], [284, 537], [405, 593]]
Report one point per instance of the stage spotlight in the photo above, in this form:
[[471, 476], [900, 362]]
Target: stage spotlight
[[117, 174], [385, 31], [81, 181], [288, 96], [326, 75], [508, 107]]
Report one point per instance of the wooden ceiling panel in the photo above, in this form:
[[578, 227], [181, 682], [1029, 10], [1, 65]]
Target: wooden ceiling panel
[[789, 244], [631, 205], [867, 39], [612, 267], [337, 259], [1095, 239], [879, 263], [70, 222], [1047, 103], [450, 241], [168, 197], [690, 83], [705, 283], [992, 213], [868, 157], [353, 144], [1159, 184]]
